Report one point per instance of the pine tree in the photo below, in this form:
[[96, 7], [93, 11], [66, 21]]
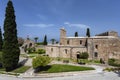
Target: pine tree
[[53, 40], [45, 40], [1, 41], [76, 34], [11, 52], [88, 32]]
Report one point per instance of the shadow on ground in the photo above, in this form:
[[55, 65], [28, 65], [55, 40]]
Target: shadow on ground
[[117, 72], [23, 61], [42, 69]]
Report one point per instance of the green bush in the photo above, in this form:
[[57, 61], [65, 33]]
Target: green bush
[[40, 61], [41, 51], [39, 43], [107, 69], [112, 62], [31, 50], [84, 55]]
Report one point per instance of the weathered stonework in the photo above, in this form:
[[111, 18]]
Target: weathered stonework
[[105, 45], [27, 44]]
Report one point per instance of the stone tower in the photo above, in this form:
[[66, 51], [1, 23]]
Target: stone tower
[[62, 36]]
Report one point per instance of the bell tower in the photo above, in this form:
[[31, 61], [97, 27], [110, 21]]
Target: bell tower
[[62, 36]]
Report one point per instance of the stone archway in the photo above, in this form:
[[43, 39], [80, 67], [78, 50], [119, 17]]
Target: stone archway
[[78, 55], [30, 45]]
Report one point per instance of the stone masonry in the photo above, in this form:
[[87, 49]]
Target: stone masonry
[[105, 45]]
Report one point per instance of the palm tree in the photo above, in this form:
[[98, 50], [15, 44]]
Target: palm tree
[[36, 38], [53, 40]]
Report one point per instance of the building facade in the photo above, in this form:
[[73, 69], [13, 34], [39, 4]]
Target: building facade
[[105, 45]]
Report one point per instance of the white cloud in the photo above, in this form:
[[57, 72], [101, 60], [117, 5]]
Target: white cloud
[[39, 25], [82, 26]]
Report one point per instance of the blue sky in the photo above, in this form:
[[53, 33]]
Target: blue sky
[[39, 17]]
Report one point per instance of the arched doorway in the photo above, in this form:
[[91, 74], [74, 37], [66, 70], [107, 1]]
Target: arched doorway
[[78, 55]]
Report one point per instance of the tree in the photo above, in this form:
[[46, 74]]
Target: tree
[[11, 52], [88, 32], [76, 34], [53, 41], [40, 61], [36, 38], [45, 40], [1, 41]]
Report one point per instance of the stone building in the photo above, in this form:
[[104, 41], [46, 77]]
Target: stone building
[[27, 44], [105, 45]]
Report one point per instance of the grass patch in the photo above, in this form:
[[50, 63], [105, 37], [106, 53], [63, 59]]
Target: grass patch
[[2, 69], [55, 68], [32, 55], [16, 71], [0, 56], [21, 69]]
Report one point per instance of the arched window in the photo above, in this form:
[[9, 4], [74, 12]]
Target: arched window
[[67, 41], [30, 45], [66, 51], [96, 46], [51, 49], [80, 41], [95, 54]]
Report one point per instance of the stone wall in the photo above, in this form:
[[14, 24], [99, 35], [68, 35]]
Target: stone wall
[[105, 45], [64, 51]]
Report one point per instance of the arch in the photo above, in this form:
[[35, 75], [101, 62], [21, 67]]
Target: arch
[[68, 42], [78, 54], [30, 45], [66, 51], [51, 49], [80, 41], [25, 48]]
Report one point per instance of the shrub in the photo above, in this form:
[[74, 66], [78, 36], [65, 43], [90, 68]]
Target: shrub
[[39, 43], [40, 61], [84, 55], [30, 50], [41, 51], [112, 62], [107, 69]]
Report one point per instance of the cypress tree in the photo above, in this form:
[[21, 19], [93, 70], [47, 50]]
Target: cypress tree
[[45, 40], [11, 52], [88, 32], [1, 41], [76, 34]]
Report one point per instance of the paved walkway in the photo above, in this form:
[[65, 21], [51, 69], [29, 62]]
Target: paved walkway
[[95, 76]]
